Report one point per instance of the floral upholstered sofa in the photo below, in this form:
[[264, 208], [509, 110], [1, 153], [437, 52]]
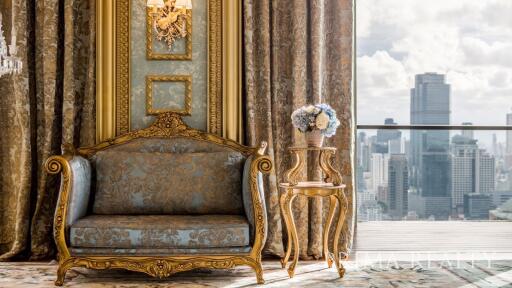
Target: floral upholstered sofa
[[161, 200]]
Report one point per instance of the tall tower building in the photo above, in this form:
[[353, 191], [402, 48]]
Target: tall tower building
[[495, 150], [508, 144], [363, 152], [430, 162], [398, 186], [462, 170], [486, 172], [379, 164], [468, 133], [390, 139], [472, 171]]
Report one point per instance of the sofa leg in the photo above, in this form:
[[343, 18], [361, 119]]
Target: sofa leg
[[258, 268], [61, 275]]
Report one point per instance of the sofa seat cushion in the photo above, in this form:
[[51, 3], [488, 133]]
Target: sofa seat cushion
[[140, 183], [160, 231]]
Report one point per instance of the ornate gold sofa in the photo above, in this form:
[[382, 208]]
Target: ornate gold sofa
[[161, 200]]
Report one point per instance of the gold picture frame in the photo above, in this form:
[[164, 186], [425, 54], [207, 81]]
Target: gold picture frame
[[151, 55], [187, 79]]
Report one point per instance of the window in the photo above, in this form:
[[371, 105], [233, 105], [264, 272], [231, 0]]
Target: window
[[434, 118]]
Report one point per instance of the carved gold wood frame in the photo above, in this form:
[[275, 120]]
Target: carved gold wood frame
[[168, 56], [187, 79], [167, 125], [113, 68]]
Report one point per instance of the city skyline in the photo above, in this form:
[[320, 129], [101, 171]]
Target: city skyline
[[435, 174]]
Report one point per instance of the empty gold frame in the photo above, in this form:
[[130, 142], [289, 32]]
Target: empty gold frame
[[223, 72], [186, 79], [150, 37]]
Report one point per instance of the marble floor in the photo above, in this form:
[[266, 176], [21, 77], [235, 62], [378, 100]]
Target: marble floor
[[393, 274]]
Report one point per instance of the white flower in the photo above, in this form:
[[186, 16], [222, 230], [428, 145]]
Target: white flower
[[322, 121], [310, 109]]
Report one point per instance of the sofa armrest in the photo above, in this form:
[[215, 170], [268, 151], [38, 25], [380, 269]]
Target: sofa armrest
[[74, 194], [254, 194]]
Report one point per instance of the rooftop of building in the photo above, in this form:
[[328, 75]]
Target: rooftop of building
[[504, 212]]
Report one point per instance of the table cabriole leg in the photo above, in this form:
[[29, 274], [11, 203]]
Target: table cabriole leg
[[341, 219], [291, 268], [330, 217], [283, 202]]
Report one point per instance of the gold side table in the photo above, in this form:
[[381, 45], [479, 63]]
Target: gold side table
[[331, 187]]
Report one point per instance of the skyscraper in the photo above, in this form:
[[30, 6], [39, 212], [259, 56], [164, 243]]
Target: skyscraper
[[386, 135], [398, 186], [477, 206], [495, 150], [363, 151], [472, 171], [468, 133], [391, 139], [379, 163], [508, 147], [430, 163], [462, 174]]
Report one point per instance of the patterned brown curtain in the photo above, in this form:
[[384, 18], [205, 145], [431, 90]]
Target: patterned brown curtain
[[299, 52], [50, 103]]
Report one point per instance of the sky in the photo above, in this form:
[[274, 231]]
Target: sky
[[470, 41]]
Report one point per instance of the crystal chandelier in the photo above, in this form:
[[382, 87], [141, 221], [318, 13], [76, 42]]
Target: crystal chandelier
[[9, 63]]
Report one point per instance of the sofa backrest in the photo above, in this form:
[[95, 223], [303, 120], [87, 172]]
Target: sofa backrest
[[168, 176], [172, 145]]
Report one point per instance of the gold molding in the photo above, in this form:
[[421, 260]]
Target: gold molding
[[187, 79], [167, 125], [232, 72], [105, 71], [160, 56], [113, 78]]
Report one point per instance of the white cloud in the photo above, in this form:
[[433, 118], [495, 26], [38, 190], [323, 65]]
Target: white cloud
[[382, 70], [499, 13], [500, 79], [386, 83], [479, 52], [468, 40]]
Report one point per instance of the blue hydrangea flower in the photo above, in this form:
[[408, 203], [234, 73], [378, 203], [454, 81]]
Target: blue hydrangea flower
[[304, 119]]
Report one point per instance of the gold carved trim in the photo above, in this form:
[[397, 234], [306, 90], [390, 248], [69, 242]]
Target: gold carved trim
[[160, 56], [167, 125], [122, 99], [215, 66], [187, 79], [160, 267]]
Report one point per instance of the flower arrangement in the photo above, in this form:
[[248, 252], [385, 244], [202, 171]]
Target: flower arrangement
[[316, 117]]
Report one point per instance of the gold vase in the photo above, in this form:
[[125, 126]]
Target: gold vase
[[314, 138]]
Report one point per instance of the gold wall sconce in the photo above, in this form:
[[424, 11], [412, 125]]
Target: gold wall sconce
[[170, 19]]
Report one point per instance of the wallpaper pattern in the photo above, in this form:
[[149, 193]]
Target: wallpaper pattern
[[167, 95]]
